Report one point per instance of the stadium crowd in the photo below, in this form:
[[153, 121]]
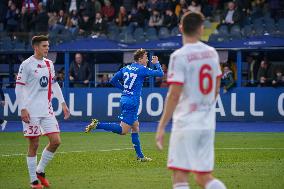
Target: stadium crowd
[[139, 20]]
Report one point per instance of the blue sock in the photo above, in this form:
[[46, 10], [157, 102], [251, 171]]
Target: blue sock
[[113, 127], [136, 144]]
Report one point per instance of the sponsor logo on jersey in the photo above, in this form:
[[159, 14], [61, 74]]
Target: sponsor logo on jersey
[[43, 81]]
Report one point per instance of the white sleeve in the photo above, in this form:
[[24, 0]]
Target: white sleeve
[[52, 70], [21, 83], [176, 71], [57, 92]]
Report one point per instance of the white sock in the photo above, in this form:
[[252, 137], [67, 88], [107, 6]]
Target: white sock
[[181, 185], [215, 184], [31, 162], [45, 158]]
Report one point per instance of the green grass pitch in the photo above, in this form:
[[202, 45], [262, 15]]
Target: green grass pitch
[[106, 161]]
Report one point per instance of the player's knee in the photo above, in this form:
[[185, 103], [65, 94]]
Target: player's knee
[[180, 176], [202, 179], [34, 146], [55, 143]]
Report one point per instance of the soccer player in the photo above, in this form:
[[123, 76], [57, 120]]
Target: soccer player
[[3, 122], [194, 77], [34, 87], [133, 76]]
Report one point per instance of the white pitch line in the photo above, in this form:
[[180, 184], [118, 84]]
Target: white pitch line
[[120, 149]]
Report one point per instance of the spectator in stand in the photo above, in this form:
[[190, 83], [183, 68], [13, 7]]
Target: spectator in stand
[[122, 17], [139, 16], [73, 5], [104, 81], [80, 72], [274, 8], [231, 16], [85, 25], [88, 7], [156, 20], [108, 11], [55, 5], [227, 80], [97, 5], [13, 18], [31, 6], [194, 6], [40, 21], [253, 69], [99, 26], [61, 23], [73, 23], [181, 5], [152, 5], [60, 77], [53, 18], [262, 74], [25, 24], [170, 19], [278, 80]]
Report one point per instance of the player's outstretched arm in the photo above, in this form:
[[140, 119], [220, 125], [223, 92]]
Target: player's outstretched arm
[[155, 73], [58, 94], [115, 80], [170, 105]]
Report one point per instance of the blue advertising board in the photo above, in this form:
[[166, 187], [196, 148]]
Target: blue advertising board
[[241, 104]]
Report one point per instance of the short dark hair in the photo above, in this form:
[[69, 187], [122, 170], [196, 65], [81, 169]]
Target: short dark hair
[[191, 22], [39, 38], [139, 54]]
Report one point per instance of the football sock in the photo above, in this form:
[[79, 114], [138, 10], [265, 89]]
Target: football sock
[[32, 162], [181, 185], [113, 127], [45, 158], [136, 144], [215, 184]]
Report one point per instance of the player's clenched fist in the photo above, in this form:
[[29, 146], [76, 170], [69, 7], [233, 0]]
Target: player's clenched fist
[[25, 116], [155, 59]]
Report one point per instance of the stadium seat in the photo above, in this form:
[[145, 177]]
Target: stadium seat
[[175, 31], [164, 33], [247, 31], [257, 22], [207, 23], [218, 38], [139, 35], [151, 34], [235, 30], [223, 29]]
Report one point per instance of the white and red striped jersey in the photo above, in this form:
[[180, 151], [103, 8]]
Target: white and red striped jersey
[[36, 76], [196, 67]]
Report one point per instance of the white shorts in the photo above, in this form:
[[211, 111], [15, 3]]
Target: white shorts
[[40, 126], [192, 151]]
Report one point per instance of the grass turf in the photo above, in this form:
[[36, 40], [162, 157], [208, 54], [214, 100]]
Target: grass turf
[[243, 160]]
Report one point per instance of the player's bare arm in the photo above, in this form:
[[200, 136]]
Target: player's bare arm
[[170, 105], [65, 110], [25, 116]]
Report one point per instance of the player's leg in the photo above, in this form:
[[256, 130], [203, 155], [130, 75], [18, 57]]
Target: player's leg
[[207, 181], [136, 143], [50, 128], [3, 124], [180, 179], [32, 161]]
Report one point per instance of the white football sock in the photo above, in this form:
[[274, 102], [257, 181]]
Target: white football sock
[[45, 158], [181, 185], [32, 162], [215, 184]]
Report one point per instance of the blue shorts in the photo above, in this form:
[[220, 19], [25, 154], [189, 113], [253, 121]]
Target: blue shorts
[[129, 111]]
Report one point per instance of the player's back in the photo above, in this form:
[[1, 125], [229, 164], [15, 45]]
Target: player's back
[[133, 78], [196, 66]]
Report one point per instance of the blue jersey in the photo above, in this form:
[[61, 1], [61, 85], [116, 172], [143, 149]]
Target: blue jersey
[[133, 77]]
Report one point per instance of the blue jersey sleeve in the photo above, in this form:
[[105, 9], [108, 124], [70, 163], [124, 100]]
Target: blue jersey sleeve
[[115, 81], [158, 72]]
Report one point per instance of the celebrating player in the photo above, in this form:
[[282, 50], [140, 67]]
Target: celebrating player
[[34, 87], [194, 77], [133, 77]]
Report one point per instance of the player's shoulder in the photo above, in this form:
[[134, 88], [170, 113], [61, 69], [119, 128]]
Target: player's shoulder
[[47, 60], [27, 62], [207, 47]]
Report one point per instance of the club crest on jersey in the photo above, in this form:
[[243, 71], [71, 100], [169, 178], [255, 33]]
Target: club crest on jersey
[[43, 81]]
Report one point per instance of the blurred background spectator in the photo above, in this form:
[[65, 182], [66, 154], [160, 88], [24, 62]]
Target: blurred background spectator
[[80, 73]]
